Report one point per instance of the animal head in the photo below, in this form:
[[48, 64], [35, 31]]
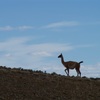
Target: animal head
[[60, 55]]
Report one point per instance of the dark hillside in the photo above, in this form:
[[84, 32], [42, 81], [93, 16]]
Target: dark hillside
[[19, 84]]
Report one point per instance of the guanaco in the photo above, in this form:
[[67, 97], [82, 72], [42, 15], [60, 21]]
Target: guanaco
[[71, 65]]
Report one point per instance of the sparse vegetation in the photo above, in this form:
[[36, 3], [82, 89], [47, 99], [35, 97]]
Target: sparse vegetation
[[23, 84]]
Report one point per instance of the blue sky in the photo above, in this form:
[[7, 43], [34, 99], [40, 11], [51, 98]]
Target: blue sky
[[34, 32]]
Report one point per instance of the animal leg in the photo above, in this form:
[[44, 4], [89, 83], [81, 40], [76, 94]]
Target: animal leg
[[67, 72], [78, 72]]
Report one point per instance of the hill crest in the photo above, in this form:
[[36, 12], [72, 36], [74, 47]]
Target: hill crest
[[26, 84]]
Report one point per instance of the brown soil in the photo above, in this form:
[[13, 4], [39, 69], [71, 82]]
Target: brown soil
[[19, 84]]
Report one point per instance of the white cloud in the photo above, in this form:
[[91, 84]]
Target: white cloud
[[91, 70], [17, 51], [6, 28], [52, 47], [25, 27], [8, 55], [42, 53], [62, 24], [10, 28], [85, 45]]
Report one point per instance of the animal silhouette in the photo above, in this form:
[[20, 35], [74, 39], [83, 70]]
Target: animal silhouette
[[71, 65]]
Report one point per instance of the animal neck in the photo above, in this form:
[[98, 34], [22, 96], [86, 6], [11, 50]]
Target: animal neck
[[62, 60]]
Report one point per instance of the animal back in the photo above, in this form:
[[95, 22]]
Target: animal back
[[71, 64]]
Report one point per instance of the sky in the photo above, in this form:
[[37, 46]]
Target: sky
[[34, 32]]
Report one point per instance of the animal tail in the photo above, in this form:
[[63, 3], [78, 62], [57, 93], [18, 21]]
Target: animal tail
[[80, 62]]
